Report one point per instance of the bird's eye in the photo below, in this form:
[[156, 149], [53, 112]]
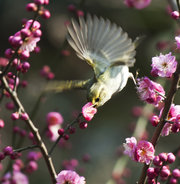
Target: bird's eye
[[97, 100]]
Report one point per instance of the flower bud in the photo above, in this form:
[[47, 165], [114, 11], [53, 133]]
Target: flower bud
[[31, 7], [25, 65], [175, 127], [37, 33], [39, 2], [176, 173], [157, 161], [154, 120], [15, 116], [173, 181], [1, 123], [163, 157], [165, 172], [8, 150], [72, 130], [24, 116], [83, 125], [61, 131], [25, 32], [8, 53], [50, 76], [46, 14], [151, 173], [10, 105], [24, 55], [15, 155], [16, 41], [171, 158], [175, 15], [66, 137], [37, 49], [80, 13], [71, 8], [31, 166]]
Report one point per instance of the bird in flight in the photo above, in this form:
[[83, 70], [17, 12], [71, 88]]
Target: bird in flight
[[110, 53]]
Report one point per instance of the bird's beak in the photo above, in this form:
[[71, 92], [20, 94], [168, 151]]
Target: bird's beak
[[94, 103]]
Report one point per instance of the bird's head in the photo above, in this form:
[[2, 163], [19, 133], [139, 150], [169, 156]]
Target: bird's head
[[98, 94]]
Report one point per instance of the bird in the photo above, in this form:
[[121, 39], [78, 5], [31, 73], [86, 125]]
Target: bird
[[108, 50]]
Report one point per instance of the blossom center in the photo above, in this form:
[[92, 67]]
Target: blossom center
[[164, 64], [143, 152]]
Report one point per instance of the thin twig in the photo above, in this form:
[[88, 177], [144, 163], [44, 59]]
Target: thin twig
[[26, 148], [60, 136]]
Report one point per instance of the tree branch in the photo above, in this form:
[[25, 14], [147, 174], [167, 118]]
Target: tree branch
[[167, 105], [34, 130]]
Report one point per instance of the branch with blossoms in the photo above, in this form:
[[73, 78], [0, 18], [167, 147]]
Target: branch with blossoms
[[167, 121], [15, 63]]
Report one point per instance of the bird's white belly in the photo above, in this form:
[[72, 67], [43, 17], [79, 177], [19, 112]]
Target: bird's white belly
[[117, 79]]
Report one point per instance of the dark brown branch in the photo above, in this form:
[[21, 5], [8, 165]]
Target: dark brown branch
[[167, 105], [35, 132]]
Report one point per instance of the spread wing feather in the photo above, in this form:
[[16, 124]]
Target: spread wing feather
[[100, 43]]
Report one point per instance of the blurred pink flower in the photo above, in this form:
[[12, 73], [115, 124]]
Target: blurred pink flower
[[163, 65], [1, 123], [88, 111], [177, 38], [70, 164], [54, 118], [144, 152], [18, 178], [150, 91], [130, 146], [138, 4], [3, 61], [166, 129], [70, 177], [53, 132]]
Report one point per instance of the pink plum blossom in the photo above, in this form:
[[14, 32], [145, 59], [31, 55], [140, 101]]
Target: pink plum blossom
[[30, 43], [144, 152], [138, 4], [177, 38], [150, 91], [173, 112], [54, 118], [173, 116], [130, 146], [70, 177], [163, 65], [166, 129], [175, 15], [1, 123], [88, 111], [31, 36]]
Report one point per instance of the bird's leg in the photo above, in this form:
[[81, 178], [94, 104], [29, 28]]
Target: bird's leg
[[132, 77]]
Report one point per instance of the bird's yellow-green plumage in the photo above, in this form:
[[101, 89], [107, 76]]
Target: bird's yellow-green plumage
[[108, 50]]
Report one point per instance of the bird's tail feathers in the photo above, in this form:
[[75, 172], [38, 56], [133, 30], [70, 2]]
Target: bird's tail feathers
[[60, 86]]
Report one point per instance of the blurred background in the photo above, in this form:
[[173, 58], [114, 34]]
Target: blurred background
[[114, 121]]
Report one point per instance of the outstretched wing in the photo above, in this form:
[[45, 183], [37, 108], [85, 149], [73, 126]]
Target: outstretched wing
[[101, 43]]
